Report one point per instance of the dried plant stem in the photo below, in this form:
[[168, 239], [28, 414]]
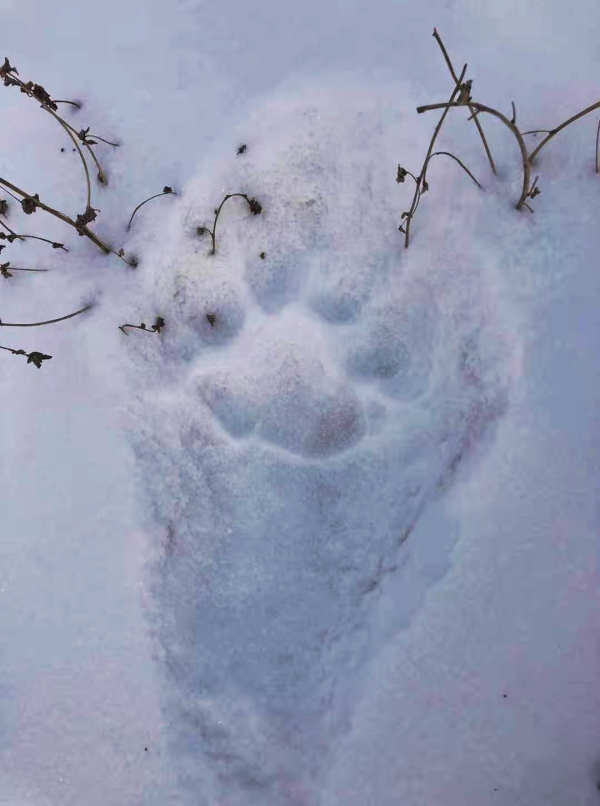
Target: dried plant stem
[[12, 195], [22, 237], [464, 167], [597, 138], [137, 327], [88, 233], [254, 207], [537, 131], [95, 137], [456, 81], [73, 103], [562, 126], [67, 128], [214, 229], [32, 358], [170, 193], [524, 155], [89, 148], [47, 322], [101, 174], [156, 327], [415, 200], [14, 268], [37, 238], [70, 128]]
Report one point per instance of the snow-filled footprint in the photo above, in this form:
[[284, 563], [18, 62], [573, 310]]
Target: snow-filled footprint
[[315, 387]]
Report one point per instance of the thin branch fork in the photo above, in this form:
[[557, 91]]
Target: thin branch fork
[[20, 237], [524, 155], [562, 126], [84, 230], [456, 81], [421, 182], [46, 103], [66, 127]]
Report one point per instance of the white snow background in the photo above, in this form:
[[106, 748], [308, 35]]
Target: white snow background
[[341, 545]]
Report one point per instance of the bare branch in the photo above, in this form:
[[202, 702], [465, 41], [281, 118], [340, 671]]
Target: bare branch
[[414, 204], [524, 155], [47, 322], [562, 126], [83, 230], [253, 204], [165, 192], [455, 79], [464, 167], [67, 128]]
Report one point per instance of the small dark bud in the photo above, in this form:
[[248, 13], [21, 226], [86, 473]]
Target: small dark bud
[[241, 149], [464, 96], [211, 318], [255, 206], [263, 255], [7, 68], [167, 189], [42, 96], [401, 175], [37, 358], [86, 218], [28, 204]]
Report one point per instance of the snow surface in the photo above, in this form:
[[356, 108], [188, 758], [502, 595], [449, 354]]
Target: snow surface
[[300, 553]]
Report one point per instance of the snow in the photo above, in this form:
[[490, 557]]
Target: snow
[[298, 546]]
